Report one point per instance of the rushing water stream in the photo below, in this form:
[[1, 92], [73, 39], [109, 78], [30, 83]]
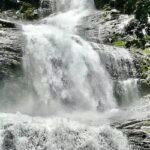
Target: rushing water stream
[[67, 83]]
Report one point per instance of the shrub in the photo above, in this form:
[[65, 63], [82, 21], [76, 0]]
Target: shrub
[[27, 11]]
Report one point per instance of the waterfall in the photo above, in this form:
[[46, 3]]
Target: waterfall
[[63, 70], [66, 83], [121, 68]]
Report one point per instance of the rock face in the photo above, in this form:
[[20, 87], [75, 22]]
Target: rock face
[[10, 50], [48, 7], [138, 133], [102, 28], [99, 27], [7, 24]]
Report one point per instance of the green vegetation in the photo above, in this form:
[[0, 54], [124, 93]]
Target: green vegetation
[[23, 9], [147, 123], [107, 7], [147, 38], [141, 8], [147, 51], [27, 11], [119, 43], [144, 68], [34, 3]]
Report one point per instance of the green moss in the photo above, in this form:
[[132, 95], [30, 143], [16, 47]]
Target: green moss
[[147, 51], [147, 131], [119, 43], [144, 68], [147, 37], [147, 123], [28, 14], [24, 7], [107, 7], [27, 11]]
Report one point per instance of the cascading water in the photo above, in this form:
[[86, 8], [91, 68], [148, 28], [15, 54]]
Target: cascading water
[[63, 69], [67, 81], [121, 67]]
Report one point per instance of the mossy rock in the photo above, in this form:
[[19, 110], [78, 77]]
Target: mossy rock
[[147, 51], [27, 11], [147, 38], [144, 68], [147, 123], [29, 14], [25, 7], [144, 88], [119, 43], [107, 7]]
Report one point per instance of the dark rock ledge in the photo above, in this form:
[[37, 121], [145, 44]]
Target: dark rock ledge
[[7, 24], [137, 132]]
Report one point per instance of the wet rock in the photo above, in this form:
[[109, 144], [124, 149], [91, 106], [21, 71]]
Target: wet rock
[[11, 45], [144, 86], [117, 61], [147, 45], [137, 132], [104, 26], [7, 24], [114, 14], [45, 3], [8, 141], [48, 7]]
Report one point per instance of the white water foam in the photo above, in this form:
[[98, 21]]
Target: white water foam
[[26, 133]]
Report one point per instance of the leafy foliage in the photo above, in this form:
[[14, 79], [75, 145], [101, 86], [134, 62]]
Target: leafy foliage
[[27, 10], [141, 8]]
